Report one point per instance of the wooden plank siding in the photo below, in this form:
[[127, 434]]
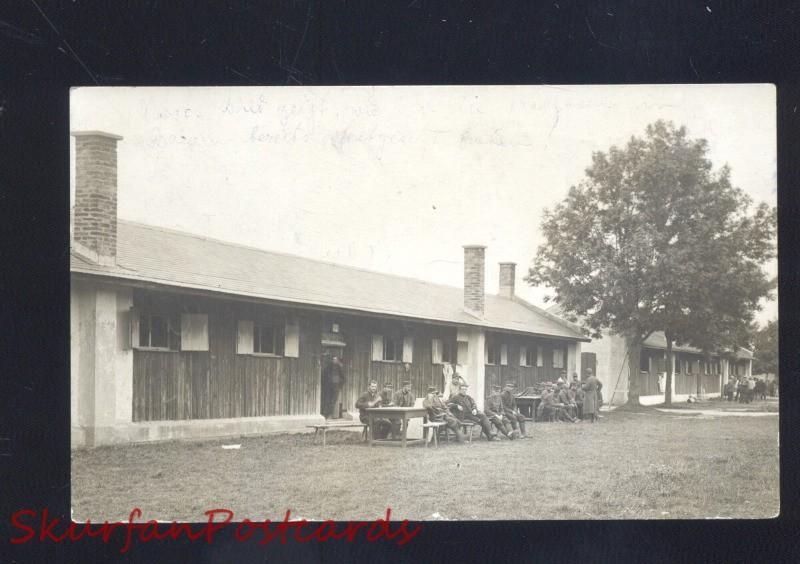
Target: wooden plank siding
[[497, 374], [219, 383], [685, 383]]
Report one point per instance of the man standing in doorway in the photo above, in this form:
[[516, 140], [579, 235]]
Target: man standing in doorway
[[332, 381]]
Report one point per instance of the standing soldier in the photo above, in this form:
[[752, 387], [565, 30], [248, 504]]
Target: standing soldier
[[437, 411], [511, 411], [332, 381], [465, 409], [589, 386], [371, 398], [455, 384], [494, 412]]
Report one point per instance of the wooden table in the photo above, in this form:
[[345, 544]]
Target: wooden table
[[402, 413], [528, 404]]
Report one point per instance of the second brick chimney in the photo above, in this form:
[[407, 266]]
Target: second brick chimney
[[95, 217], [474, 267], [507, 278]]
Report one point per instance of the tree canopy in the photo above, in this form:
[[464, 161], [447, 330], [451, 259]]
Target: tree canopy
[[765, 342], [653, 239]]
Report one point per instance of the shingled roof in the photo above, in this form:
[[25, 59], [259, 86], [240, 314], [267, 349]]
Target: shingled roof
[[174, 258]]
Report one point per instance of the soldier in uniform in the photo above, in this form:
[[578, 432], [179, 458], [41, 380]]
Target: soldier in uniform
[[403, 397], [437, 411], [571, 408], [455, 384], [371, 398], [493, 407], [511, 411], [465, 409]]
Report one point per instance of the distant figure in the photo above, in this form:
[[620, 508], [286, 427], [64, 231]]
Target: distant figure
[[751, 389], [728, 390], [371, 398], [403, 397], [447, 374], [576, 394], [511, 411], [773, 388], [662, 382], [590, 398], [455, 385], [437, 411], [493, 408], [465, 409], [332, 382], [761, 389]]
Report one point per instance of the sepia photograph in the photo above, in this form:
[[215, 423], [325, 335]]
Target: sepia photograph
[[450, 302]]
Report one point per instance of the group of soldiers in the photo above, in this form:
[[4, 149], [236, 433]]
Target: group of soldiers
[[501, 415], [746, 389]]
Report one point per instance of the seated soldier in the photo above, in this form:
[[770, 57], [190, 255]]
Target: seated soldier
[[371, 398], [546, 408], [403, 397], [570, 407], [493, 407], [437, 411], [465, 409], [511, 411]]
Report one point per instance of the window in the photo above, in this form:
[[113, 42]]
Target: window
[[442, 351], [558, 358], [392, 349], [492, 354], [527, 356], [158, 332], [644, 362], [267, 339]]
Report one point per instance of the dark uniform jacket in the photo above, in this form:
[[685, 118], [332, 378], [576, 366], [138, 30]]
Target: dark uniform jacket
[[402, 399], [509, 401], [386, 398], [494, 405], [365, 400], [466, 402], [563, 397], [435, 407]]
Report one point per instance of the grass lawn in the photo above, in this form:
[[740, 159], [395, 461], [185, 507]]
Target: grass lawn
[[635, 463]]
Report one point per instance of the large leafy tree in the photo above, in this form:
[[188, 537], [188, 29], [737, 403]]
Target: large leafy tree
[[765, 342], [654, 240]]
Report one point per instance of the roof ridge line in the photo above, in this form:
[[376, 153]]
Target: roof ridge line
[[547, 314]]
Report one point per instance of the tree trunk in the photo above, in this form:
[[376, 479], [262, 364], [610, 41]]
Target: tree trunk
[[634, 357], [670, 373]]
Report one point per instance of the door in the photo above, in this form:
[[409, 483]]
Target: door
[[589, 360], [331, 394]]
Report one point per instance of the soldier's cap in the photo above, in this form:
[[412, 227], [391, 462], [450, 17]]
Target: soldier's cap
[[456, 375], [432, 388], [387, 385], [406, 383], [511, 383], [497, 386]]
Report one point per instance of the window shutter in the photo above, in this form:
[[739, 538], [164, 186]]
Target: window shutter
[[377, 347], [134, 328], [504, 354], [462, 354], [436, 351], [244, 338], [291, 340], [486, 352], [194, 332], [408, 349], [523, 355], [539, 356]]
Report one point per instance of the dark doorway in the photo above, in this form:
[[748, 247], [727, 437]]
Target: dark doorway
[[589, 360], [332, 381]]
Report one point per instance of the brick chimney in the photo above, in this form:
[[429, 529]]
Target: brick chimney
[[474, 267], [507, 278], [95, 218]]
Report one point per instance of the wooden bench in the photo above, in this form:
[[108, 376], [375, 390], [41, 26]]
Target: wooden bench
[[324, 427], [467, 426], [433, 428]]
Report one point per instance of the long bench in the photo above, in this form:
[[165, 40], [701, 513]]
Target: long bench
[[324, 427]]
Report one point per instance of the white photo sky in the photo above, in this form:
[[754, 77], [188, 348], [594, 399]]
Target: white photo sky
[[397, 179]]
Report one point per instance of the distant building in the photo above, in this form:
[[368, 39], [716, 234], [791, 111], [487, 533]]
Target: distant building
[[177, 335], [608, 356]]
